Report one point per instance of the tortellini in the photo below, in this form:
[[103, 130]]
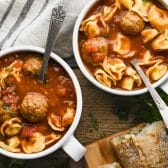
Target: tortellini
[[146, 59], [14, 141], [94, 26], [68, 117], [108, 13], [59, 123], [34, 144], [122, 46], [127, 83], [149, 34], [158, 18], [9, 148], [103, 77], [51, 138], [161, 42], [55, 122], [117, 33], [157, 71], [126, 3], [142, 8], [13, 69], [11, 127], [130, 78], [12, 144], [114, 67]]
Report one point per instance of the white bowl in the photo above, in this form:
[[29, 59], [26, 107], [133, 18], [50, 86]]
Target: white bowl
[[68, 142], [89, 76]]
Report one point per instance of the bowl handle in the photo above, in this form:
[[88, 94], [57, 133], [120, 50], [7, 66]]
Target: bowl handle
[[164, 86], [74, 149]]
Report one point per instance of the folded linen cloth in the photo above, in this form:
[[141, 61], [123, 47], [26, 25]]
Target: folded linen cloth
[[26, 22]]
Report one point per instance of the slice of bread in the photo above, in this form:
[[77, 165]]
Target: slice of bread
[[113, 165], [145, 147], [128, 152]]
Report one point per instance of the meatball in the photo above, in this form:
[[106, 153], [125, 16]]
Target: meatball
[[95, 50], [32, 66], [132, 23], [34, 107]]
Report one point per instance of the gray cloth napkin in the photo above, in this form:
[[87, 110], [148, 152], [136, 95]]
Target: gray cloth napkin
[[26, 22]]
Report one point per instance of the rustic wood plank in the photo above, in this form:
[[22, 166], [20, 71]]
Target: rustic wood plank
[[101, 105]]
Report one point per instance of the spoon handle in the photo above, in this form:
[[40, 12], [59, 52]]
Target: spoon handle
[[164, 3], [163, 108], [57, 18]]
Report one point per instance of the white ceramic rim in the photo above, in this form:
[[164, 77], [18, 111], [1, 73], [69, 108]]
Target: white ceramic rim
[[74, 125], [87, 74]]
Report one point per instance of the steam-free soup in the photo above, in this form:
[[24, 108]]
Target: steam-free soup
[[33, 116], [115, 32]]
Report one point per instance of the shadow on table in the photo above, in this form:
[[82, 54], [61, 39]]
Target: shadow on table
[[56, 160]]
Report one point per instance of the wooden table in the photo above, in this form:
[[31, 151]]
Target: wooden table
[[101, 106]]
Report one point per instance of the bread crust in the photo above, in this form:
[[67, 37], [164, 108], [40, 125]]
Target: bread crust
[[146, 149]]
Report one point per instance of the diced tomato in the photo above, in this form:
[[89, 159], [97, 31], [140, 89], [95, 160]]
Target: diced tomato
[[28, 131], [18, 64], [8, 90], [61, 90]]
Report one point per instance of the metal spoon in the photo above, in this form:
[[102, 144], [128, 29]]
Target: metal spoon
[[163, 108], [57, 18], [164, 3]]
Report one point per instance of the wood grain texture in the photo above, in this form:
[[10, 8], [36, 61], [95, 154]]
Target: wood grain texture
[[101, 105]]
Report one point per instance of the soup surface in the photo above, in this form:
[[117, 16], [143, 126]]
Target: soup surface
[[33, 116], [115, 32]]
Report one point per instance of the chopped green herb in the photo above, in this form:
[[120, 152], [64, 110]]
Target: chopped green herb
[[6, 107], [141, 107], [9, 68], [15, 163], [111, 25], [146, 1], [105, 35], [94, 121], [95, 126], [12, 113]]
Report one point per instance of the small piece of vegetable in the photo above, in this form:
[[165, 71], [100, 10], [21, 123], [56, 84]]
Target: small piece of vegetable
[[94, 122], [95, 125], [5, 107], [146, 1], [12, 114], [15, 163]]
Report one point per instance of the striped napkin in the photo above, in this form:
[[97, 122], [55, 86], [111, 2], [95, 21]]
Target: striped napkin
[[26, 22]]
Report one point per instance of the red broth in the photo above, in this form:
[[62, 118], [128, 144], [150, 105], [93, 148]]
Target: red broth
[[57, 88], [137, 43]]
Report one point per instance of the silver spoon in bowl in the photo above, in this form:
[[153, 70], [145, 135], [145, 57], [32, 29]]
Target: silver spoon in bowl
[[164, 3], [161, 105], [57, 19]]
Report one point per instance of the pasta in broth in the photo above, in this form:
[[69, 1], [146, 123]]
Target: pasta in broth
[[116, 31], [33, 116]]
